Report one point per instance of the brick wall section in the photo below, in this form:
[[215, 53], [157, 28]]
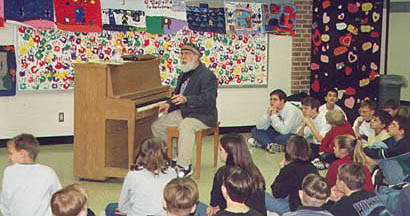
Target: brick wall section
[[301, 46]]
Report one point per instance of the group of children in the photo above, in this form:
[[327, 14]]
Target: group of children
[[324, 139]]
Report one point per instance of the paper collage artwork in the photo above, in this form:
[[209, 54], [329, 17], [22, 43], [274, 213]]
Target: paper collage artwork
[[243, 18], [279, 18], [206, 17], [45, 57], [7, 71], [78, 15], [36, 13], [346, 41], [165, 17]]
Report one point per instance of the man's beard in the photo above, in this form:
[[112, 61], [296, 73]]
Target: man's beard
[[188, 66]]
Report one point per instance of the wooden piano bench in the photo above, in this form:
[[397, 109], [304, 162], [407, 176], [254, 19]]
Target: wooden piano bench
[[174, 133]]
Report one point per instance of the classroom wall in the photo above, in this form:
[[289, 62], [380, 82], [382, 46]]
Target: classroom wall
[[37, 112], [399, 44]]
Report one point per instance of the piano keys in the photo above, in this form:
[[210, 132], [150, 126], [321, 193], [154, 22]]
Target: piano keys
[[109, 122]]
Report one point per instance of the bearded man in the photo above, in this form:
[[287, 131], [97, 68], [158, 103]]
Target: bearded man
[[192, 106]]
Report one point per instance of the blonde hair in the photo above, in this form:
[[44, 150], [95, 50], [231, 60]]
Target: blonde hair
[[354, 148], [69, 201], [335, 117], [180, 195], [26, 142]]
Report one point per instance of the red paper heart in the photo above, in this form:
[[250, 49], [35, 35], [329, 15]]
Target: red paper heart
[[346, 40], [325, 4], [348, 70], [314, 66], [373, 75], [316, 38], [352, 8], [350, 91], [349, 102], [316, 86]]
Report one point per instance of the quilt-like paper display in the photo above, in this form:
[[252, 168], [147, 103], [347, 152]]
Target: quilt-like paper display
[[78, 15], [45, 58], [279, 18], [346, 41], [7, 71], [206, 17]]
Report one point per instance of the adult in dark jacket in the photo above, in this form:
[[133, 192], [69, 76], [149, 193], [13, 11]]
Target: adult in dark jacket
[[192, 106]]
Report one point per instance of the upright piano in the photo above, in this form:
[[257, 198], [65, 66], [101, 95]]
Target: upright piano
[[108, 123]]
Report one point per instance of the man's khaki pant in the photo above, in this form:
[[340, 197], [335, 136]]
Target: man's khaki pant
[[187, 128]]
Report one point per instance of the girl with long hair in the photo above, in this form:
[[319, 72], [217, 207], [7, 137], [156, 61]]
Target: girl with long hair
[[234, 152], [141, 192]]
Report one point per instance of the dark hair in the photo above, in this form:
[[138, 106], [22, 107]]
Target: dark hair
[[238, 155], [332, 90], [316, 186], [297, 148], [281, 94], [404, 124], [392, 104], [152, 156], [312, 102], [26, 142], [385, 117], [180, 195], [369, 103], [352, 174], [238, 184]]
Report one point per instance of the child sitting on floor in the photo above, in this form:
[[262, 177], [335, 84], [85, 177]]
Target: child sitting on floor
[[141, 192], [27, 186], [180, 197]]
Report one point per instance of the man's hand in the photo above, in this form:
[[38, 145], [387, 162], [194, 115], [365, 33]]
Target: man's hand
[[163, 108], [360, 120], [212, 210], [178, 99]]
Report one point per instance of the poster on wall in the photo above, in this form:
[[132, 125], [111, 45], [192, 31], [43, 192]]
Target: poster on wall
[[126, 15], [36, 13], [279, 18], [45, 57], [7, 71], [243, 18], [346, 40]]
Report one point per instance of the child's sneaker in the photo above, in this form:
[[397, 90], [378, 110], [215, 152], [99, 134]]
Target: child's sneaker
[[182, 172], [270, 147], [319, 164], [252, 142]]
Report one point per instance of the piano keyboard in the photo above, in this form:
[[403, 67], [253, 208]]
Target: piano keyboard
[[150, 106]]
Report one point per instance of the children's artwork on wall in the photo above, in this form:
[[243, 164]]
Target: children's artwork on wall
[[1, 13], [279, 18], [243, 18], [178, 5], [124, 4], [206, 17], [7, 71], [346, 41], [164, 8], [78, 15], [45, 57], [123, 20], [36, 13]]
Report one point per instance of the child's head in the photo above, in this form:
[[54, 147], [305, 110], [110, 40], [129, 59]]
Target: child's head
[[392, 107], [235, 152], [315, 190], [348, 145], [399, 127], [180, 196], [310, 106], [331, 96], [350, 176], [335, 117], [152, 156], [23, 148], [237, 184], [297, 148], [367, 109], [278, 98], [381, 119], [69, 201]]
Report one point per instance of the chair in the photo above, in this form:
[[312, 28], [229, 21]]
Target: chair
[[174, 133]]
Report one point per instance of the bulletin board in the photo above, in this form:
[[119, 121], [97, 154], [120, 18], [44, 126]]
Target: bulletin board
[[45, 57]]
